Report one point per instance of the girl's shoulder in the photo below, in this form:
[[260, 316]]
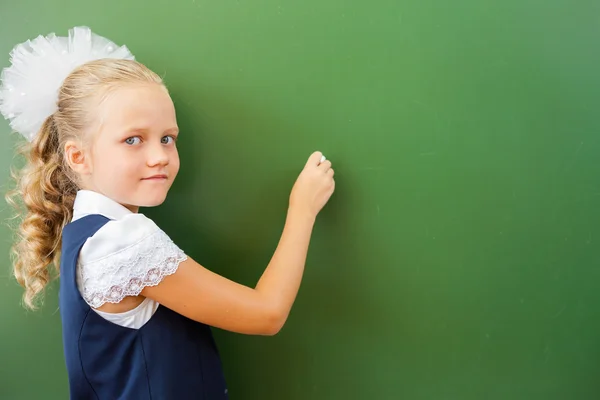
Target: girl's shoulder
[[123, 257], [118, 235]]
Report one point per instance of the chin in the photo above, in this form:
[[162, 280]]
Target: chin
[[151, 200]]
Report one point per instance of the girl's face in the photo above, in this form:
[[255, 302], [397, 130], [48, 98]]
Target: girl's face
[[133, 158]]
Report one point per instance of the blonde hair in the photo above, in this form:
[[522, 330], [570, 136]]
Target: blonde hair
[[46, 187]]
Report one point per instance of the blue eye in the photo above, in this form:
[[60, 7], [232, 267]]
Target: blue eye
[[167, 140], [132, 140]]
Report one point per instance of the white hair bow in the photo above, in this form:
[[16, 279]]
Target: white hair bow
[[29, 87]]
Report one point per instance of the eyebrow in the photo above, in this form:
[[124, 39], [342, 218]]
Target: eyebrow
[[174, 130]]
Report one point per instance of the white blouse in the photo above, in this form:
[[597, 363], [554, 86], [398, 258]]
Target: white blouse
[[127, 254]]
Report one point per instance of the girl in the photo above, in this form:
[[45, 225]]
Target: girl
[[135, 309]]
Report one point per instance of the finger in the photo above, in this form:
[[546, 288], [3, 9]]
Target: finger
[[315, 158], [330, 172], [325, 165]]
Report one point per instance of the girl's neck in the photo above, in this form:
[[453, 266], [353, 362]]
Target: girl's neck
[[132, 208]]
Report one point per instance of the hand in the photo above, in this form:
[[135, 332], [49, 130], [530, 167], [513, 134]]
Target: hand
[[314, 186]]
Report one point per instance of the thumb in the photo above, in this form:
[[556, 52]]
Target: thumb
[[315, 159]]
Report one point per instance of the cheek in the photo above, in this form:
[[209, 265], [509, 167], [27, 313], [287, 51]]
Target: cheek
[[114, 163], [101, 160], [174, 162]]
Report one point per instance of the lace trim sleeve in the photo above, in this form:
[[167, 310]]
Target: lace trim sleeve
[[126, 272]]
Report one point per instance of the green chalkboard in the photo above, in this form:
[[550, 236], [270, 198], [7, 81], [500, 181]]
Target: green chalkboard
[[459, 257]]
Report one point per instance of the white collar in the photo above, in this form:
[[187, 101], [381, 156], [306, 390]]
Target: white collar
[[88, 202]]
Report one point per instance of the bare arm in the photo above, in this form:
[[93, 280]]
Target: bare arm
[[207, 297]]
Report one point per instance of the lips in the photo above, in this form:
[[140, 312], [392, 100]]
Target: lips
[[155, 177]]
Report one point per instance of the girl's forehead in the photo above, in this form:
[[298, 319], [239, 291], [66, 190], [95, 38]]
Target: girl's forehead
[[133, 107]]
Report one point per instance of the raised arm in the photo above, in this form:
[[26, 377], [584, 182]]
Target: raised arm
[[207, 297]]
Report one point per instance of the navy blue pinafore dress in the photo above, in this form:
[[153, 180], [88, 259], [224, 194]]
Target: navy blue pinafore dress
[[170, 357]]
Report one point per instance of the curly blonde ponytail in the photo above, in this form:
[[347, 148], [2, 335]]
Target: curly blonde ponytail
[[46, 186], [48, 193]]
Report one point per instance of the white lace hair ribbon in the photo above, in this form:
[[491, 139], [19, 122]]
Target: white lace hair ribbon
[[29, 87]]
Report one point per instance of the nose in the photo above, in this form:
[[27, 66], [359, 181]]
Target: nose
[[157, 155]]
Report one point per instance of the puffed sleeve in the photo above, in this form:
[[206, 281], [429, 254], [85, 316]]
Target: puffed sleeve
[[123, 257]]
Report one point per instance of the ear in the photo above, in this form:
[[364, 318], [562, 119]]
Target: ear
[[77, 159]]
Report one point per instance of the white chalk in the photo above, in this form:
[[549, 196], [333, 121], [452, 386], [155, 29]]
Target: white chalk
[[323, 158]]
